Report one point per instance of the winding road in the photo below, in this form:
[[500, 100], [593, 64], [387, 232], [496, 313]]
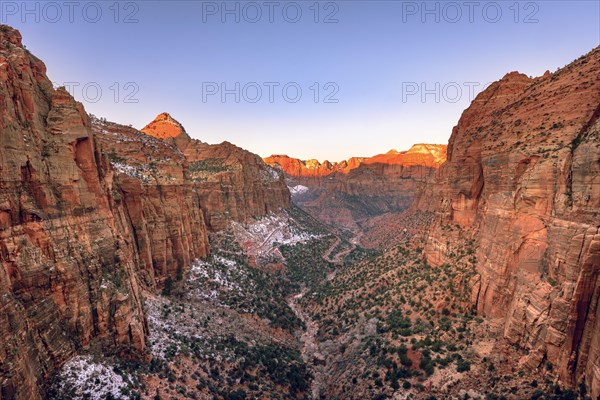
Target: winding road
[[337, 259]]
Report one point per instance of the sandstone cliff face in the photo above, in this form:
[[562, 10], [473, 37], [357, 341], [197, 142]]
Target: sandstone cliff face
[[175, 189], [523, 179], [67, 278], [427, 155], [163, 208], [348, 193], [231, 183], [91, 213], [312, 168]]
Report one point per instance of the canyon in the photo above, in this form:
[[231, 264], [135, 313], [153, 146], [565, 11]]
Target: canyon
[[146, 263], [84, 230], [349, 194], [520, 182]]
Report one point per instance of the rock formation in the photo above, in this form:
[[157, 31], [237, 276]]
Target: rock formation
[[67, 278], [231, 183], [164, 127], [92, 214], [523, 180], [153, 184], [427, 155], [348, 193]]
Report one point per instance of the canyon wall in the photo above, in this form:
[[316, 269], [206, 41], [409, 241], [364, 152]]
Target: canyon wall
[[523, 179], [232, 183], [92, 214], [348, 193], [162, 207], [67, 278]]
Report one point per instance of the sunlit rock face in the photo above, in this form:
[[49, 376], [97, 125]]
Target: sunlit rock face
[[348, 193], [164, 127], [427, 155], [523, 178]]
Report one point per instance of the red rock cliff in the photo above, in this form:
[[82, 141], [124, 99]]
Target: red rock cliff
[[230, 182], [345, 194], [428, 155], [523, 179], [91, 213], [163, 208], [67, 278]]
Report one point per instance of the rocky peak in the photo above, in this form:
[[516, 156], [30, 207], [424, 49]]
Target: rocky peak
[[164, 127], [436, 151], [9, 35]]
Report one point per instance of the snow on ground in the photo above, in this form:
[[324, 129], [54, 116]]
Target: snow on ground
[[222, 282], [217, 273], [166, 326], [262, 237], [298, 189], [270, 174], [173, 326], [82, 377], [138, 172], [217, 283]]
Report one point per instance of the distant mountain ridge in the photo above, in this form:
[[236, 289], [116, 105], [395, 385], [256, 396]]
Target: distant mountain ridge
[[347, 193], [429, 155]]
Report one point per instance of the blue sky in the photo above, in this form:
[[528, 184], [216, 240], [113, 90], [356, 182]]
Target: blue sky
[[373, 57]]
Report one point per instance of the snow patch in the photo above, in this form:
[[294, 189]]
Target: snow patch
[[81, 378], [270, 174], [264, 236], [298, 189], [138, 172]]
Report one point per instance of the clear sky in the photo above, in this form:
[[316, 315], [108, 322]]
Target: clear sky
[[371, 62]]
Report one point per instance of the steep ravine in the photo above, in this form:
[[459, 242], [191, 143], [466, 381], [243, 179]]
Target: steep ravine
[[310, 344], [309, 338]]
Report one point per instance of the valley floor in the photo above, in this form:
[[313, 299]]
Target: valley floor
[[285, 309]]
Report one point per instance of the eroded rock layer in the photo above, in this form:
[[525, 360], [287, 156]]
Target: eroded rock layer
[[92, 213], [232, 183], [164, 210], [66, 276], [347, 194], [523, 179]]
